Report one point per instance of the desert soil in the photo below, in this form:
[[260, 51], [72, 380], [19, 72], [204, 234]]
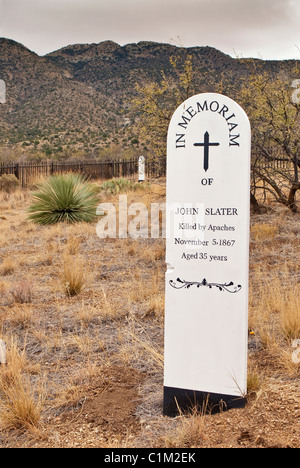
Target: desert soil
[[95, 361]]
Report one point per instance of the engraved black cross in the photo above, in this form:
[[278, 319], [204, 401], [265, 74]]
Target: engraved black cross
[[206, 145]]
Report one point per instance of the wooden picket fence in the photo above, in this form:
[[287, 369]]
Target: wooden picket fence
[[27, 172]]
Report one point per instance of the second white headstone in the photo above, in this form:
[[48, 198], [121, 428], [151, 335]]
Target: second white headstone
[[142, 169]]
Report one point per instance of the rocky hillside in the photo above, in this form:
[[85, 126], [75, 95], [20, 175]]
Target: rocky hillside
[[76, 101]]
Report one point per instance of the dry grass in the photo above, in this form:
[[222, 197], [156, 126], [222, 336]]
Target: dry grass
[[254, 378], [73, 275], [22, 292], [290, 315], [275, 310], [95, 303], [19, 407], [8, 267], [275, 322], [73, 246], [190, 431], [20, 404], [263, 231], [21, 316]]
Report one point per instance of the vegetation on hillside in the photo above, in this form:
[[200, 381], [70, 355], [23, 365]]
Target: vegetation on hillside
[[77, 101]]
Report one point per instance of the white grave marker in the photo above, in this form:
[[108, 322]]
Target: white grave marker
[[142, 169], [208, 205]]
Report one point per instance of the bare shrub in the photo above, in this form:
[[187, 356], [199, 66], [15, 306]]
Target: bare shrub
[[9, 183], [73, 277], [20, 404], [8, 267], [22, 292]]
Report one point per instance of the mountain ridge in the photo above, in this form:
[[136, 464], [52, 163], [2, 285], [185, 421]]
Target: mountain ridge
[[76, 100]]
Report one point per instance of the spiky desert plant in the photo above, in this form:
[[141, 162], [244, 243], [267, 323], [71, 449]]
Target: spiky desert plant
[[60, 198]]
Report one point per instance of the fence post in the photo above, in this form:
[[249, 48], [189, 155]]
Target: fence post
[[16, 171]]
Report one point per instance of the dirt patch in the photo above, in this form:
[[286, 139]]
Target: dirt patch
[[114, 400], [109, 404]]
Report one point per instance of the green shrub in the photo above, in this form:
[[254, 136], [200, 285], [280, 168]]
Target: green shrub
[[9, 183], [67, 198], [115, 186]]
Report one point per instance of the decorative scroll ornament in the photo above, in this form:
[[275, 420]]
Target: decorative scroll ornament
[[228, 287]]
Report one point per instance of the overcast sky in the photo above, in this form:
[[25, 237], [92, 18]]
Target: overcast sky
[[267, 29]]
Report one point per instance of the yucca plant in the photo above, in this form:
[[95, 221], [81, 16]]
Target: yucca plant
[[69, 198]]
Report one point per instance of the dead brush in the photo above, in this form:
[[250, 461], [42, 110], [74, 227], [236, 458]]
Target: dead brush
[[189, 432], [156, 306], [5, 298], [8, 267], [254, 379], [21, 316], [9, 183], [86, 314], [20, 404], [19, 407], [145, 288], [278, 302], [73, 275], [16, 361], [153, 253], [275, 317], [22, 292], [136, 350], [290, 315], [263, 231], [73, 245], [291, 366], [108, 310]]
